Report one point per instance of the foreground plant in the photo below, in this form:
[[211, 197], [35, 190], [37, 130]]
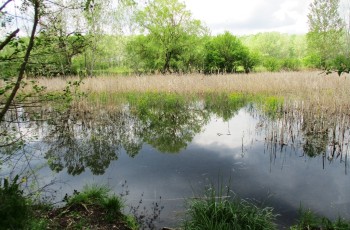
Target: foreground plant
[[215, 211], [310, 221], [92, 208], [14, 211]]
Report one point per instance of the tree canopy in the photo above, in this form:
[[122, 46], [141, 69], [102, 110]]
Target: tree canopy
[[225, 53], [170, 34], [326, 29]]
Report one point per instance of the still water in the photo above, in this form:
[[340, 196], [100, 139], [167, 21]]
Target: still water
[[168, 154]]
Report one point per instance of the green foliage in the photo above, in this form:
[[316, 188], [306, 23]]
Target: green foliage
[[278, 64], [326, 28], [10, 58], [291, 64], [225, 53], [93, 194], [171, 37], [309, 220], [277, 51], [312, 60], [131, 222], [217, 210], [99, 196], [14, 210], [272, 64], [54, 51], [341, 64]]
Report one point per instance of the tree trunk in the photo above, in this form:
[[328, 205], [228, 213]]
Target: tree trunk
[[24, 63], [166, 67]]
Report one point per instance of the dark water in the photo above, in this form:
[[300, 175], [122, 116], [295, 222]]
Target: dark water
[[174, 151]]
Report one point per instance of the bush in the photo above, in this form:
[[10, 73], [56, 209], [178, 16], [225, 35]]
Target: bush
[[14, 211], [341, 64], [272, 64], [291, 64]]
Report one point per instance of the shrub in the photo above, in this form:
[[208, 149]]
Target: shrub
[[14, 210], [272, 64]]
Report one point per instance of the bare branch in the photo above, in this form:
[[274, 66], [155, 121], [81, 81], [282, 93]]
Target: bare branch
[[4, 5]]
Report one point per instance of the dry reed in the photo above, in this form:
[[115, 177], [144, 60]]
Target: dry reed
[[313, 86]]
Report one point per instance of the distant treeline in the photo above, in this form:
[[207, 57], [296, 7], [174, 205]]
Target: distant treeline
[[167, 39], [224, 53]]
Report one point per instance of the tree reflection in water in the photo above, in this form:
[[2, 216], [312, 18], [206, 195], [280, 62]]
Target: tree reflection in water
[[318, 133], [93, 138], [83, 138]]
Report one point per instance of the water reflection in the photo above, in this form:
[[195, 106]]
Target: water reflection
[[91, 139], [278, 150], [86, 138], [171, 125]]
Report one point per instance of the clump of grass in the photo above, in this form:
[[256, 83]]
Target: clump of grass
[[215, 211], [308, 220], [98, 196], [92, 208]]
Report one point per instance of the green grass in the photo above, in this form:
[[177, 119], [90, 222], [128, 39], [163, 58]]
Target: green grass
[[93, 207], [99, 196], [215, 211], [308, 220], [91, 194]]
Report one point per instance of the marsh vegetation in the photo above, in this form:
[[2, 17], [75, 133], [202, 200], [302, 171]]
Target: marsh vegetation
[[253, 128]]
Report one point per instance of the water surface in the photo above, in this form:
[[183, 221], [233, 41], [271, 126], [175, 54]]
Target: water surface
[[171, 152]]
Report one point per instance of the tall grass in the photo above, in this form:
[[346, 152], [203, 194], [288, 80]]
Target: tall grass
[[219, 211], [313, 88], [278, 83]]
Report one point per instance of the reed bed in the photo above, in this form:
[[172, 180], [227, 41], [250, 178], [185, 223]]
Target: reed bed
[[304, 85]]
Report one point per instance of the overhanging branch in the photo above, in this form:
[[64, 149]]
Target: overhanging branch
[[8, 39]]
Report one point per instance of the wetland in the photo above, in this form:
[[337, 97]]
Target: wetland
[[163, 146]]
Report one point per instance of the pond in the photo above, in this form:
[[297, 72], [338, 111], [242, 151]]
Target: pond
[[165, 149]]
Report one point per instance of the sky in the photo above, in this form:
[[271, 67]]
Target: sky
[[241, 17]]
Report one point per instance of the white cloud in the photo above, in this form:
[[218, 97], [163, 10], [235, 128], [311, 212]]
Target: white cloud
[[252, 16]]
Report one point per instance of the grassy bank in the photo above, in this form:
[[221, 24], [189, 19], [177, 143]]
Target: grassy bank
[[224, 211], [95, 208], [92, 208]]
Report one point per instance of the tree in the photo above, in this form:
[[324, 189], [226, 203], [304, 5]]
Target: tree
[[104, 18], [37, 7], [326, 29], [170, 32], [277, 51], [225, 53]]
